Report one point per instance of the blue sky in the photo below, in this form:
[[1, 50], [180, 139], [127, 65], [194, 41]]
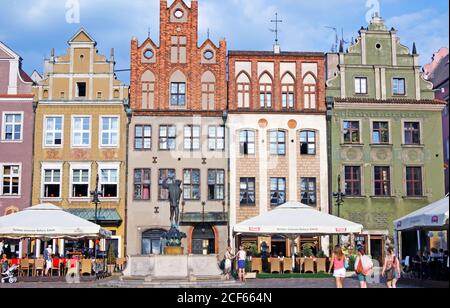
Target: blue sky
[[33, 27]]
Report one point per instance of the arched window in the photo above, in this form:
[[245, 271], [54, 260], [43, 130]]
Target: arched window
[[152, 242], [287, 91], [178, 89], [203, 240], [208, 91], [310, 91], [265, 91], [148, 90], [243, 90]]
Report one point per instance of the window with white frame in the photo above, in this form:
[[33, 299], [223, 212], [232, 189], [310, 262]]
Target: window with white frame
[[360, 85], [109, 131], [12, 127], [10, 181], [81, 131], [192, 137], [52, 183], [216, 138], [53, 131], [109, 182], [80, 183]]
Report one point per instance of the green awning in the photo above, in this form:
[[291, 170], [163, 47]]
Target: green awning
[[104, 216], [211, 217]]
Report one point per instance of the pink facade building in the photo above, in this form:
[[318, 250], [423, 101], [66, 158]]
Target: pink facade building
[[16, 133], [438, 73]]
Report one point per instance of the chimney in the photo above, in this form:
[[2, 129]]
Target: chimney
[[276, 49]]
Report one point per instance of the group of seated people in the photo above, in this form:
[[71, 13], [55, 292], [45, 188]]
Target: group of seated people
[[432, 264]]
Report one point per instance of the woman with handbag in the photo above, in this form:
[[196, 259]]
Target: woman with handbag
[[339, 262], [391, 269], [364, 267]]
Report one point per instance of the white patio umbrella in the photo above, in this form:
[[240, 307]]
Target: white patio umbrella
[[294, 219], [299, 219], [432, 217], [47, 221]]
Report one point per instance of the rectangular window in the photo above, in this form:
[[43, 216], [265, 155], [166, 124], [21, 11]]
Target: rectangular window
[[191, 184], [243, 94], [398, 86], [247, 191], [208, 95], [53, 131], [178, 94], [110, 131], [414, 182], [80, 183], [265, 96], [216, 184], [310, 95], [309, 191], [165, 174], [10, 180], [308, 143], [143, 137], [191, 137], [52, 183], [81, 89], [12, 127], [167, 137], [352, 184], [382, 181], [288, 97], [277, 142], [360, 85], [351, 132], [380, 132], [81, 131], [412, 133], [277, 191], [142, 178], [109, 183], [247, 142], [216, 138]]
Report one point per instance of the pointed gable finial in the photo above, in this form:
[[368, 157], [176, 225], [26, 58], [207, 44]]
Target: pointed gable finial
[[149, 32], [208, 33], [414, 50], [341, 46]]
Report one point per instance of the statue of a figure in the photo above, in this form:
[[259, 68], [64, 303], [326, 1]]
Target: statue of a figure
[[174, 198]]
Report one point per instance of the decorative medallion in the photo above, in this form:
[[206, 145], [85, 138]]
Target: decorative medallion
[[292, 124], [263, 123], [53, 154], [110, 155], [80, 154]]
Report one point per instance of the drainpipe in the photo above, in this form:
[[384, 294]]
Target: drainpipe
[[129, 114], [330, 106]]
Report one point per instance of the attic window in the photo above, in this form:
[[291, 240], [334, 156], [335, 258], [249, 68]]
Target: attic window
[[81, 57], [208, 55], [178, 14], [378, 46]]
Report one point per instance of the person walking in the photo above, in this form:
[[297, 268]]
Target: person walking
[[364, 267], [48, 259], [229, 257], [391, 269], [242, 258], [337, 262]]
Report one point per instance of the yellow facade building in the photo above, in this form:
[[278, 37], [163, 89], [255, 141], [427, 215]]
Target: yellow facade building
[[80, 132]]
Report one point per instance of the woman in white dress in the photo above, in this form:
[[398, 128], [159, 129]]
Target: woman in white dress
[[229, 257]]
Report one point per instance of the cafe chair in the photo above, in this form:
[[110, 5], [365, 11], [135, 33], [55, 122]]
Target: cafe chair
[[321, 265], [287, 265], [39, 265], [24, 267], [308, 266], [86, 267], [275, 265], [56, 266], [256, 265]]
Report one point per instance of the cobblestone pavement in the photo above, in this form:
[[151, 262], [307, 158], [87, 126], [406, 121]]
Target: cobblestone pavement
[[259, 283]]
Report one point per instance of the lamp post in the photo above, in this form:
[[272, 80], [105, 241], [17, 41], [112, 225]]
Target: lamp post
[[339, 195], [96, 200]]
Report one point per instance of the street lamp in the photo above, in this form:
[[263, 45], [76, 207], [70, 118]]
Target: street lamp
[[339, 195], [96, 194]]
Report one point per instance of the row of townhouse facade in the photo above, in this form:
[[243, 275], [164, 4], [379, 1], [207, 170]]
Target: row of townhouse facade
[[244, 132]]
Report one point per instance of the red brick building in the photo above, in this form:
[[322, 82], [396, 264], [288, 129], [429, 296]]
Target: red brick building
[[178, 98]]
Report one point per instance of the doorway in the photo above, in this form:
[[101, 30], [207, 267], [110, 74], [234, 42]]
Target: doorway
[[203, 240], [377, 249]]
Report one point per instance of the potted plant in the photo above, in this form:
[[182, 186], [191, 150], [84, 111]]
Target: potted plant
[[111, 259]]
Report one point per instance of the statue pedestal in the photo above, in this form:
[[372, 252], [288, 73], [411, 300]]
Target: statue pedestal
[[173, 251], [172, 268]]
